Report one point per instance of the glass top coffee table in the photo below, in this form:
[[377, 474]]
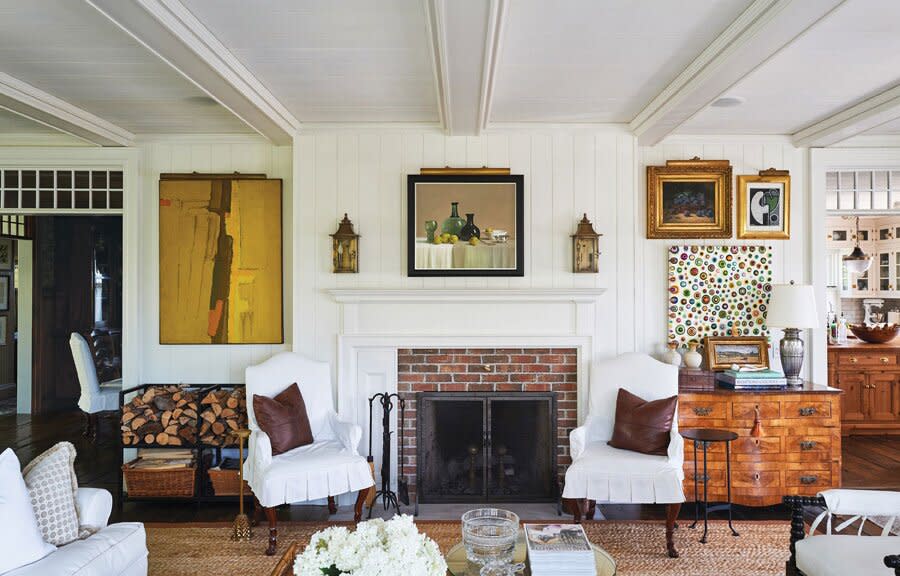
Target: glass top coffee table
[[457, 563]]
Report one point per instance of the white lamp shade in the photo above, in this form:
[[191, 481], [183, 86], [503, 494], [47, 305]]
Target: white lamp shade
[[792, 306]]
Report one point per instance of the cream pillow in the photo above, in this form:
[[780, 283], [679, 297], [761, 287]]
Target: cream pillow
[[22, 543], [53, 487]]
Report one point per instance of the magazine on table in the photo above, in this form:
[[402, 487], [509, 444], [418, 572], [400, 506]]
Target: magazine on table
[[552, 545]]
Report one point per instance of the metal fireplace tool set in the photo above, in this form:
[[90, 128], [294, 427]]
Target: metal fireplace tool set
[[389, 498]]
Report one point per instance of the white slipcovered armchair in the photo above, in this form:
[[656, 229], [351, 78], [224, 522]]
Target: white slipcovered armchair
[[833, 554], [95, 397], [328, 467], [601, 473]]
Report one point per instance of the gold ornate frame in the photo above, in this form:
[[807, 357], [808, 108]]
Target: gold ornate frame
[[772, 176], [694, 170], [710, 342]]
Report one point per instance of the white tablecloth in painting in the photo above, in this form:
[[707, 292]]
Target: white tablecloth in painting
[[464, 255]]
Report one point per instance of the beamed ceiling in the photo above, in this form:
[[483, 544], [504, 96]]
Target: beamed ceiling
[[110, 71]]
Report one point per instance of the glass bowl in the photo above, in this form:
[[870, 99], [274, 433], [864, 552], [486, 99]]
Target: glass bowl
[[489, 536]]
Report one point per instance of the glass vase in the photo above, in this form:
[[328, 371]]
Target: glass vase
[[470, 230], [454, 224]]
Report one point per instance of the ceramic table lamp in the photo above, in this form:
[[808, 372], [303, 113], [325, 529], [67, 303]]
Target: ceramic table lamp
[[792, 307]]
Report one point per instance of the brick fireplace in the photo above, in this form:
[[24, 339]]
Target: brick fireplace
[[488, 370]]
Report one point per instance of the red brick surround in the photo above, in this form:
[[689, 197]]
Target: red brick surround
[[488, 370]]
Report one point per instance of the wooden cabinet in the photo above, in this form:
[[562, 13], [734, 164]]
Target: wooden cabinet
[[799, 451], [869, 376]]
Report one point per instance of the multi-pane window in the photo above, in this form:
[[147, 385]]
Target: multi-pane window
[[37, 190], [862, 190]]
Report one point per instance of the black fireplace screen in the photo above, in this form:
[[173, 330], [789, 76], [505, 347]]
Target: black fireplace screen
[[486, 446]]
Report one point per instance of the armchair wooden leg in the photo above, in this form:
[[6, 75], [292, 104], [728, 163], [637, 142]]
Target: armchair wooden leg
[[332, 507], [672, 511], [257, 511], [576, 507], [591, 509], [272, 517], [90, 426], [358, 507]]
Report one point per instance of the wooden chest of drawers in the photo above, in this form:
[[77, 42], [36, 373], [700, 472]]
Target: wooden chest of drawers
[[799, 451]]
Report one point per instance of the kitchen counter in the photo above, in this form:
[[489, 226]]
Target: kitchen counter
[[854, 344]]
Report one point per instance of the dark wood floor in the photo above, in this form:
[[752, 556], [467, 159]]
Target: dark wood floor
[[869, 462]]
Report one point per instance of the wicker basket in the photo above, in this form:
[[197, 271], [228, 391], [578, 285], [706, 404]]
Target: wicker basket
[[144, 483], [227, 483]]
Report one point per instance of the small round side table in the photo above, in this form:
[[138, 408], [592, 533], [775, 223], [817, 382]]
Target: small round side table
[[704, 437]]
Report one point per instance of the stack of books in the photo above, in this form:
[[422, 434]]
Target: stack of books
[[752, 379], [554, 546]]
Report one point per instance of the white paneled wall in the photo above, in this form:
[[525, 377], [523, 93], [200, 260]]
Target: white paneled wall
[[567, 172], [202, 363], [747, 156], [364, 174]]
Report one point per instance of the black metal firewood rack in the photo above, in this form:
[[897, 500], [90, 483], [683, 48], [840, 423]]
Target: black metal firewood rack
[[203, 492]]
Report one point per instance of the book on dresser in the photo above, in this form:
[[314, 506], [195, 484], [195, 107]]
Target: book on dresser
[[750, 380], [553, 545]]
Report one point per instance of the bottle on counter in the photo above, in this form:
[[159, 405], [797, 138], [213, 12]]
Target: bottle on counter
[[842, 330]]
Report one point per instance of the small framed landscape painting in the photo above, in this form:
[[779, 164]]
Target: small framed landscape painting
[[723, 352], [764, 205], [689, 199], [462, 224]]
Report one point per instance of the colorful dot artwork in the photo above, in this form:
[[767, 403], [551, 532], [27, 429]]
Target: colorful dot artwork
[[715, 289]]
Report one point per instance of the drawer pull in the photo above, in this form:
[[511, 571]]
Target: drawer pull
[[756, 476], [854, 359], [808, 479], [702, 410], [807, 444], [884, 360], [808, 411]]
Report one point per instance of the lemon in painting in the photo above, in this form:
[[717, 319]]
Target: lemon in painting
[[454, 239], [474, 241]]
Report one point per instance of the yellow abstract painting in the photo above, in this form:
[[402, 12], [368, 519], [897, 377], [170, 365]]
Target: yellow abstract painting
[[220, 262]]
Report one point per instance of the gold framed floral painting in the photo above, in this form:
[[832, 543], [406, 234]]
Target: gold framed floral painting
[[764, 205], [689, 199]]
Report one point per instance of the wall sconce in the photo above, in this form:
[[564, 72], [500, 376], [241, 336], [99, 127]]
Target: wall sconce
[[345, 248], [586, 248]]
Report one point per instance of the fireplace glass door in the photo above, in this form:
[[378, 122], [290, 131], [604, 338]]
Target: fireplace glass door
[[480, 447]]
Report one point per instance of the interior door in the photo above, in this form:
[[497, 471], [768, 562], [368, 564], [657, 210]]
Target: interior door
[[881, 390], [854, 385]]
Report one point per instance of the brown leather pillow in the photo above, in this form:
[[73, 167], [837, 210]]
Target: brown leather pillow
[[643, 426], [283, 418]]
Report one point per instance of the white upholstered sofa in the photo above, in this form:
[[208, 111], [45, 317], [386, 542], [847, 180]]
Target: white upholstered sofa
[[114, 550]]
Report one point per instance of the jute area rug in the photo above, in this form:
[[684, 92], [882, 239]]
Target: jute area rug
[[637, 547]]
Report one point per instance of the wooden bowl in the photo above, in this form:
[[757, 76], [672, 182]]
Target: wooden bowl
[[875, 334]]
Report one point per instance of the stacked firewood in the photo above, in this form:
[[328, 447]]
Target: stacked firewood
[[163, 415], [222, 413]]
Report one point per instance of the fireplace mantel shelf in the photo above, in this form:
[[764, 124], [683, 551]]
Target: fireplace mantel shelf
[[361, 295]]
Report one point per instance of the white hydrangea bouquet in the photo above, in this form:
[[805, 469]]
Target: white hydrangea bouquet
[[375, 548]]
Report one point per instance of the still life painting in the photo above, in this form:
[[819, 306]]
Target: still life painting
[[764, 204], [689, 199], [718, 290], [220, 261], [465, 225]]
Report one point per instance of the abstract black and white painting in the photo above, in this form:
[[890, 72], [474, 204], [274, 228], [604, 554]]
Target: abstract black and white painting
[[764, 207]]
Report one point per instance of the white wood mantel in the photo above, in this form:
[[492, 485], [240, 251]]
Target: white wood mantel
[[356, 295]]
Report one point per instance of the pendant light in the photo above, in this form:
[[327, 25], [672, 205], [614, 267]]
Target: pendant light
[[857, 262]]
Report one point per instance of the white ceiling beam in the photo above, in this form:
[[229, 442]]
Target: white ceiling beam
[[35, 104], [169, 30], [434, 12], [760, 32], [492, 44], [852, 121], [465, 44]]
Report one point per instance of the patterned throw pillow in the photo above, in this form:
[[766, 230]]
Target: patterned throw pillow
[[51, 481]]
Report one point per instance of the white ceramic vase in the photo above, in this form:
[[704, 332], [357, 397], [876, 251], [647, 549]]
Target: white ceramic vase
[[672, 356], [692, 358]]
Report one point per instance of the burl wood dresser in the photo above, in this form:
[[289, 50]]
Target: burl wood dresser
[[798, 452]]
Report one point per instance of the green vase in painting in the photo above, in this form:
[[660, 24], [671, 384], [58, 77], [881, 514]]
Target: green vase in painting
[[454, 224]]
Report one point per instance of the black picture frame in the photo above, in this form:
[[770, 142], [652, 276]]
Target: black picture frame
[[412, 180]]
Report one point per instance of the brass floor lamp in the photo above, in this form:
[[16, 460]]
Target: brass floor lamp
[[241, 531]]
